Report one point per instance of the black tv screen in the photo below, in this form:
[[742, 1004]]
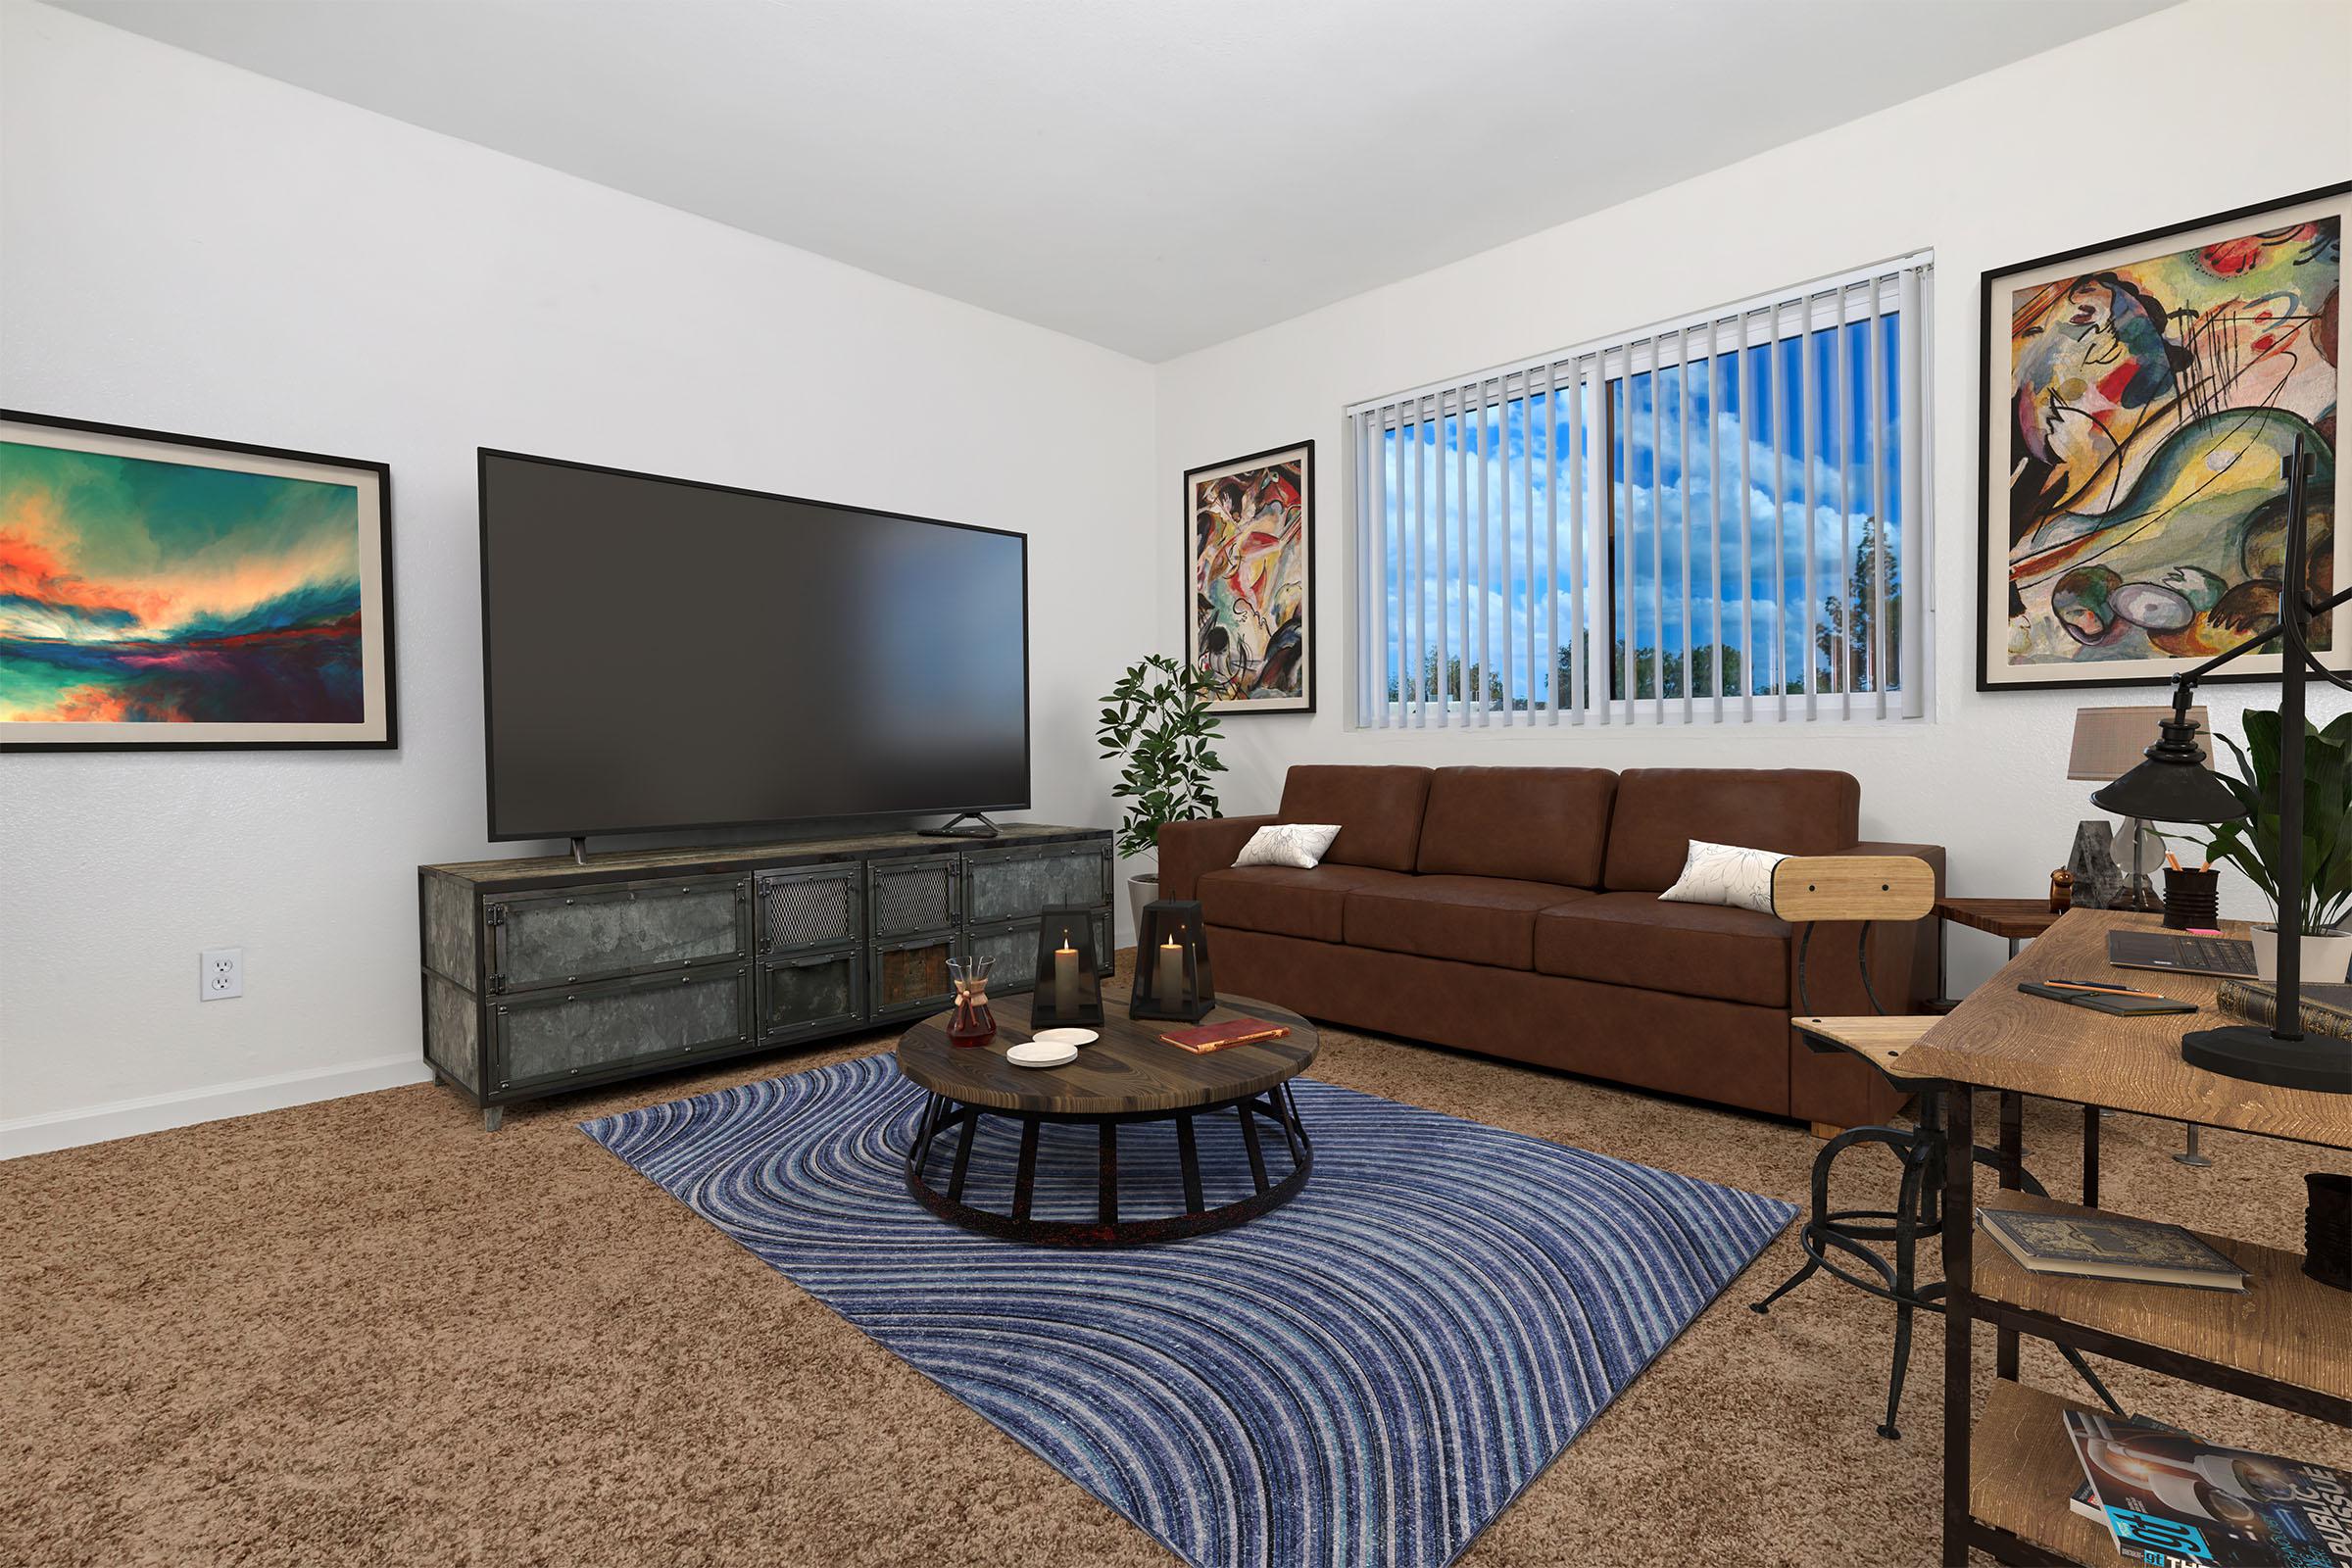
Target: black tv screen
[[659, 653]]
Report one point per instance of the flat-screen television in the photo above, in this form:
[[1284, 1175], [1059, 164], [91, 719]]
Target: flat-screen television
[[663, 654]]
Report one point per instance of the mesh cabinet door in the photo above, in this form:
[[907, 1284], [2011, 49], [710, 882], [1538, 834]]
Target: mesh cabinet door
[[911, 894], [802, 911]]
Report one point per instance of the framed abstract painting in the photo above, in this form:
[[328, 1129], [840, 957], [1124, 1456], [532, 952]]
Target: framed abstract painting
[[1249, 575], [2141, 400], [166, 593]]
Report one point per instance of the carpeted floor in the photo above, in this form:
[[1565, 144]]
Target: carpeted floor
[[363, 1332]]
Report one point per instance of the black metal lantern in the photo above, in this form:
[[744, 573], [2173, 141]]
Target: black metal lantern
[[1069, 973], [1171, 963]]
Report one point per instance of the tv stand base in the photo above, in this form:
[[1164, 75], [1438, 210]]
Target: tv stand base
[[580, 848], [956, 827]]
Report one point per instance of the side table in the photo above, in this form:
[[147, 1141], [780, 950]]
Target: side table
[[2020, 920]]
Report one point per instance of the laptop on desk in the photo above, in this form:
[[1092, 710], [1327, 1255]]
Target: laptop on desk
[[2230, 957]]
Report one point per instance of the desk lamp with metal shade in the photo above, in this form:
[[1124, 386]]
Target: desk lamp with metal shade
[[2108, 743], [2173, 785]]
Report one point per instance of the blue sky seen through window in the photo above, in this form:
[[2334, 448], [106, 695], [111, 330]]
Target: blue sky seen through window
[[1647, 422]]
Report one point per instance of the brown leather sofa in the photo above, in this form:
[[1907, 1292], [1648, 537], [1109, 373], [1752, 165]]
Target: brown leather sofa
[[1515, 912]]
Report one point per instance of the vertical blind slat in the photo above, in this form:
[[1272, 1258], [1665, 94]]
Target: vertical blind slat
[[1580, 568], [1874, 414], [1657, 554], [1780, 519], [1747, 580], [1915, 345], [1511, 597], [1721, 656], [1361, 455], [1450, 560], [1419, 571], [1842, 660], [1804, 461], [1682, 393], [1551, 541], [1478, 598], [1380, 565]]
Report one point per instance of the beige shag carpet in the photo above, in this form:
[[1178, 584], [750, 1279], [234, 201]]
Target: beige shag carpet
[[365, 1332]]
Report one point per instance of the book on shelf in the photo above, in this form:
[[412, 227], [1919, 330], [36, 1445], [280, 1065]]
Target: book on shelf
[[2109, 1246], [2172, 1502], [1210, 1037], [2327, 1009]]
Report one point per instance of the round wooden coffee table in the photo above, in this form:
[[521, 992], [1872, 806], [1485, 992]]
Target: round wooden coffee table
[[1128, 1075]]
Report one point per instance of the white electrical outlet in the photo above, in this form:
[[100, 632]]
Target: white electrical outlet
[[223, 974]]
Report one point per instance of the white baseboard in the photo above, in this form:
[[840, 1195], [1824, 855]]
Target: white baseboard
[[128, 1118]]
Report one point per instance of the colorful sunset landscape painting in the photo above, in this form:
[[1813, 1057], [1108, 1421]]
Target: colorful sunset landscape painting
[[137, 591]]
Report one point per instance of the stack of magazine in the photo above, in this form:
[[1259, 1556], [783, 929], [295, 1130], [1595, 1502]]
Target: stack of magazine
[[2173, 1502]]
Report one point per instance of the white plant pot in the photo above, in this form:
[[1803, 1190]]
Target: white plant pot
[[2326, 956], [1142, 889]]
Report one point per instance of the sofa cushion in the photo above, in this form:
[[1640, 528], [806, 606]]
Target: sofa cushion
[[1474, 919], [1695, 949], [1659, 811], [1283, 900], [1540, 825], [1378, 809]]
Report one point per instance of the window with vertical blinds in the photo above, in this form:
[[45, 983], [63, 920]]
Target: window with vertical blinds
[[1720, 519]]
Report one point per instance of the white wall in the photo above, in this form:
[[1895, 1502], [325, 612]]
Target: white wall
[[187, 247], [2089, 143]]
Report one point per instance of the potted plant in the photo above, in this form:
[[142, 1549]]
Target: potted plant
[[2251, 843], [1156, 719]]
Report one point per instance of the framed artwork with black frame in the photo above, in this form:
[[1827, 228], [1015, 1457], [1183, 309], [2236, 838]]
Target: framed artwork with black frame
[[164, 592], [2139, 400], [1250, 580]]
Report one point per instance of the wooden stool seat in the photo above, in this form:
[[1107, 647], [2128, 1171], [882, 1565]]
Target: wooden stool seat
[[1877, 1039]]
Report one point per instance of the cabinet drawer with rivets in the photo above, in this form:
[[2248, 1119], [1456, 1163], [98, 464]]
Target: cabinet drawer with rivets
[[547, 1037], [579, 936]]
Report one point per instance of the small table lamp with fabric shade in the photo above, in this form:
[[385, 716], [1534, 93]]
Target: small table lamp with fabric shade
[[2110, 742]]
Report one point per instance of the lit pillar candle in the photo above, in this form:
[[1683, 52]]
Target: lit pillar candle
[[1170, 989], [1065, 977]]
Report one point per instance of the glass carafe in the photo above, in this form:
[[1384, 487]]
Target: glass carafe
[[971, 1023]]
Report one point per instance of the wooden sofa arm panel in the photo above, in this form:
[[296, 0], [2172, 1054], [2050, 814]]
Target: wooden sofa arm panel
[[1188, 848]]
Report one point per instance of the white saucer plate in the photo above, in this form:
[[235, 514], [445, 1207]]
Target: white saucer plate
[[1065, 1037], [1043, 1052]]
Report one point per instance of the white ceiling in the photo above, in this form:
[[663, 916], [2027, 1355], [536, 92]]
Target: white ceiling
[[1153, 175]]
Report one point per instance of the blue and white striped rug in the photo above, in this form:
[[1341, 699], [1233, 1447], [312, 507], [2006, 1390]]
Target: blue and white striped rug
[[1367, 1375]]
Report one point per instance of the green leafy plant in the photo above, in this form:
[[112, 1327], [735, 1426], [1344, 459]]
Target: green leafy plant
[[2252, 842], [1157, 720]]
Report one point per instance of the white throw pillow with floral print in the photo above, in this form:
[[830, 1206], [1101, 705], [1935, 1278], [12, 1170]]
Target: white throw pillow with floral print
[[1727, 874], [1294, 843]]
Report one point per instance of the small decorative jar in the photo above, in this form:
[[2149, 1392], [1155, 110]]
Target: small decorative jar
[[971, 1023]]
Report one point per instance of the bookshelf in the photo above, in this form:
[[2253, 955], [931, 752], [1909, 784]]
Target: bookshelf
[[2008, 1466]]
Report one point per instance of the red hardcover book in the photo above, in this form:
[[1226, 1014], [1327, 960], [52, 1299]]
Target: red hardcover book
[[1210, 1037]]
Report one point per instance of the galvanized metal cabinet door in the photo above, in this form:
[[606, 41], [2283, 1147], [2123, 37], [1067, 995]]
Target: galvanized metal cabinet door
[[1014, 883], [909, 895], [812, 994], [546, 1037], [1014, 948], [910, 976], [578, 936]]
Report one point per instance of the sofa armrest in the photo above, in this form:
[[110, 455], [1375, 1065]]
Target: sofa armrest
[[1188, 848]]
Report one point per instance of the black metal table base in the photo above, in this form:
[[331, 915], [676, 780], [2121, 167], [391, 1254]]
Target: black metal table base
[[942, 1115]]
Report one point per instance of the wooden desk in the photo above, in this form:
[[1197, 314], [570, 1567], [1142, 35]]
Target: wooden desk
[[2282, 1343]]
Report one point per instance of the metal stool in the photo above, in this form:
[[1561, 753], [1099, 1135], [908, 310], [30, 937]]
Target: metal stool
[[1871, 889]]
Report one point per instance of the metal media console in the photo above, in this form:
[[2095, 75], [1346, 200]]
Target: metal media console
[[543, 976]]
